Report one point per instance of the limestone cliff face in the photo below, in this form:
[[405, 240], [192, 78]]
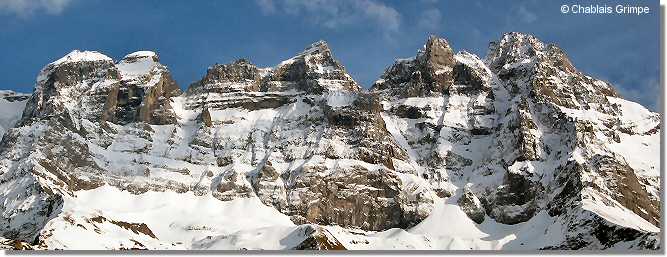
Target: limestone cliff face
[[430, 73], [526, 131], [518, 138], [145, 79], [313, 115], [75, 86], [91, 86]]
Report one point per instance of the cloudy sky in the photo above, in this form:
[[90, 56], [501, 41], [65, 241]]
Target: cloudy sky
[[366, 35]]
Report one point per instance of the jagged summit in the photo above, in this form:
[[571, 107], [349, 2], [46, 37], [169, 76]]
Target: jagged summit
[[320, 48], [142, 54], [438, 51], [316, 47], [521, 39], [553, 76], [238, 76], [515, 48], [90, 85], [431, 72], [313, 70], [139, 64], [82, 56]]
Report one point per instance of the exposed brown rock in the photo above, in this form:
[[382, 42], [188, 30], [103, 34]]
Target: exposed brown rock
[[471, 206], [137, 228], [358, 197], [318, 238]]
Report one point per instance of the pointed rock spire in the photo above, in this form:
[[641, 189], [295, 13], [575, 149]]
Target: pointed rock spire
[[513, 47], [238, 76], [315, 70], [438, 54], [430, 72], [145, 92]]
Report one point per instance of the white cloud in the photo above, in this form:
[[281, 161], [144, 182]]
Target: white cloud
[[26, 7], [526, 15], [430, 19], [334, 14], [266, 6], [646, 92]]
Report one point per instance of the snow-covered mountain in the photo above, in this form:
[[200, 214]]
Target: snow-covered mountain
[[515, 151]]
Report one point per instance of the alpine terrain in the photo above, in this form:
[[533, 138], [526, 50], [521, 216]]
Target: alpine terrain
[[515, 151]]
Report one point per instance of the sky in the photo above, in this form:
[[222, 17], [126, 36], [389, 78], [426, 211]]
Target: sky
[[365, 35]]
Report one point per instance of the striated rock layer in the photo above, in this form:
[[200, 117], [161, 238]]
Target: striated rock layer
[[446, 151]]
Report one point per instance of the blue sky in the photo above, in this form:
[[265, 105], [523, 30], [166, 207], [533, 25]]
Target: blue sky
[[365, 35]]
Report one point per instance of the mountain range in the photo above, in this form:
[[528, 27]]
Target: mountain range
[[446, 150]]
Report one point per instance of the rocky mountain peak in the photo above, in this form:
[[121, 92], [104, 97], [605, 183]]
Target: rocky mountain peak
[[82, 56], [238, 76], [513, 47], [89, 85], [437, 54], [517, 49], [319, 52], [139, 55], [145, 91], [314, 70], [521, 39], [138, 65], [88, 61], [64, 83], [243, 61], [316, 47], [550, 74], [431, 72]]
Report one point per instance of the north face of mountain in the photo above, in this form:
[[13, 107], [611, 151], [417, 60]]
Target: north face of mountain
[[518, 150], [89, 85], [525, 132], [304, 139]]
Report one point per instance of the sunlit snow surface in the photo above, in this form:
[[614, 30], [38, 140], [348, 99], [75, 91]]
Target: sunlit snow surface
[[186, 221], [137, 64], [178, 220], [640, 151]]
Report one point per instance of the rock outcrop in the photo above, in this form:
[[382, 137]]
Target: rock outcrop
[[307, 111], [496, 125], [471, 205]]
